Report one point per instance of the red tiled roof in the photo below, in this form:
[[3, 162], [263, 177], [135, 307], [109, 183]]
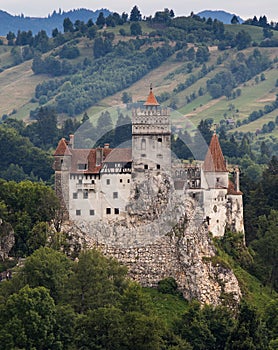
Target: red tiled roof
[[231, 189], [89, 157], [62, 148], [151, 100], [214, 161]]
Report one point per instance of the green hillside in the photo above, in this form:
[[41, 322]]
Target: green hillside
[[18, 81]]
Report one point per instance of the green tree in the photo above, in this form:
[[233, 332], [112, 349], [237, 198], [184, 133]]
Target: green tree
[[193, 327], [135, 29], [29, 320], [126, 97], [234, 20], [10, 37], [135, 14], [100, 20], [266, 248], [48, 268], [242, 40], [96, 282], [68, 25], [249, 332]]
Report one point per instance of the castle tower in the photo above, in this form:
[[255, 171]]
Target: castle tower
[[62, 165], [223, 208], [151, 137], [214, 167]]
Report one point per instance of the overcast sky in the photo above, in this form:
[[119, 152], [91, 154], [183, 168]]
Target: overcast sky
[[243, 8]]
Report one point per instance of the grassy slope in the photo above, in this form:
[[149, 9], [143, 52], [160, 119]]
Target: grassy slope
[[17, 85]]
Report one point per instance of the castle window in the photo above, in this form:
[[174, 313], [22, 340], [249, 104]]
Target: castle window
[[215, 208], [158, 166], [107, 181], [128, 181], [74, 195], [143, 155], [146, 166], [116, 211], [159, 139], [121, 180], [82, 166], [78, 212], [92, 212], [115, 195], [108, 211], [143, 144], [217, 179], [85, 194], [80, 181], [93, 182], [62, 161]]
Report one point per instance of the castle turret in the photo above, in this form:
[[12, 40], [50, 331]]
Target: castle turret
[[214, 167], [62, 166], [151, 136]]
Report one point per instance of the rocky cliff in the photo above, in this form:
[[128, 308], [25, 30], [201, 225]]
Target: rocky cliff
[[164, 235]]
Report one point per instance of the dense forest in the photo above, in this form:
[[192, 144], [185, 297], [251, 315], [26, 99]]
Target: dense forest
[[53, 294]]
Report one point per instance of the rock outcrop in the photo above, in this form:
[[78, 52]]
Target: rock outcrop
[[7, 239], [164, 235]]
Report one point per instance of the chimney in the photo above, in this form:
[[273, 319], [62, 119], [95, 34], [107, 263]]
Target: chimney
[[106, 145], [71, 141], [99, 156], [237, 179]]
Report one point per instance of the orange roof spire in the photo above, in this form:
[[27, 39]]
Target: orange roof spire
[[151, 100], [214, 160]]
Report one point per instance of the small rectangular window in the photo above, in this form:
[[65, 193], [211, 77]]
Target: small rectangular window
[[78, 212], [115, 195], [107, 181], [146, 166], [74, 195], [116, 211], [92, 212], [93, 182], [121, 180], [82, 166], [108, 211], [85, 194], [157, 166], [128, 181]]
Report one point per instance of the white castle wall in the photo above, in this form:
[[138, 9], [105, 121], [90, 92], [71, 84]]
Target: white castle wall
[[92, 197]]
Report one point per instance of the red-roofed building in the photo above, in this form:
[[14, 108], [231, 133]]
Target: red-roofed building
[[96, 184]]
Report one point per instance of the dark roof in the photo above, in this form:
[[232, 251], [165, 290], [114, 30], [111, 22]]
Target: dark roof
[[231, 189], [89, 157], [62, 148], [121, 155], [214, 161]]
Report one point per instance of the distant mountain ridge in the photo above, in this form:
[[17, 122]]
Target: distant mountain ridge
[[12, 23], [222, 16]]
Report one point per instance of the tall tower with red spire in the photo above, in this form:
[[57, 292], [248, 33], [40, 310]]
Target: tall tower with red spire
[[151, 137]]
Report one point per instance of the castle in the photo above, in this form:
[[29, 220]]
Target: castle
[[96, 184]]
